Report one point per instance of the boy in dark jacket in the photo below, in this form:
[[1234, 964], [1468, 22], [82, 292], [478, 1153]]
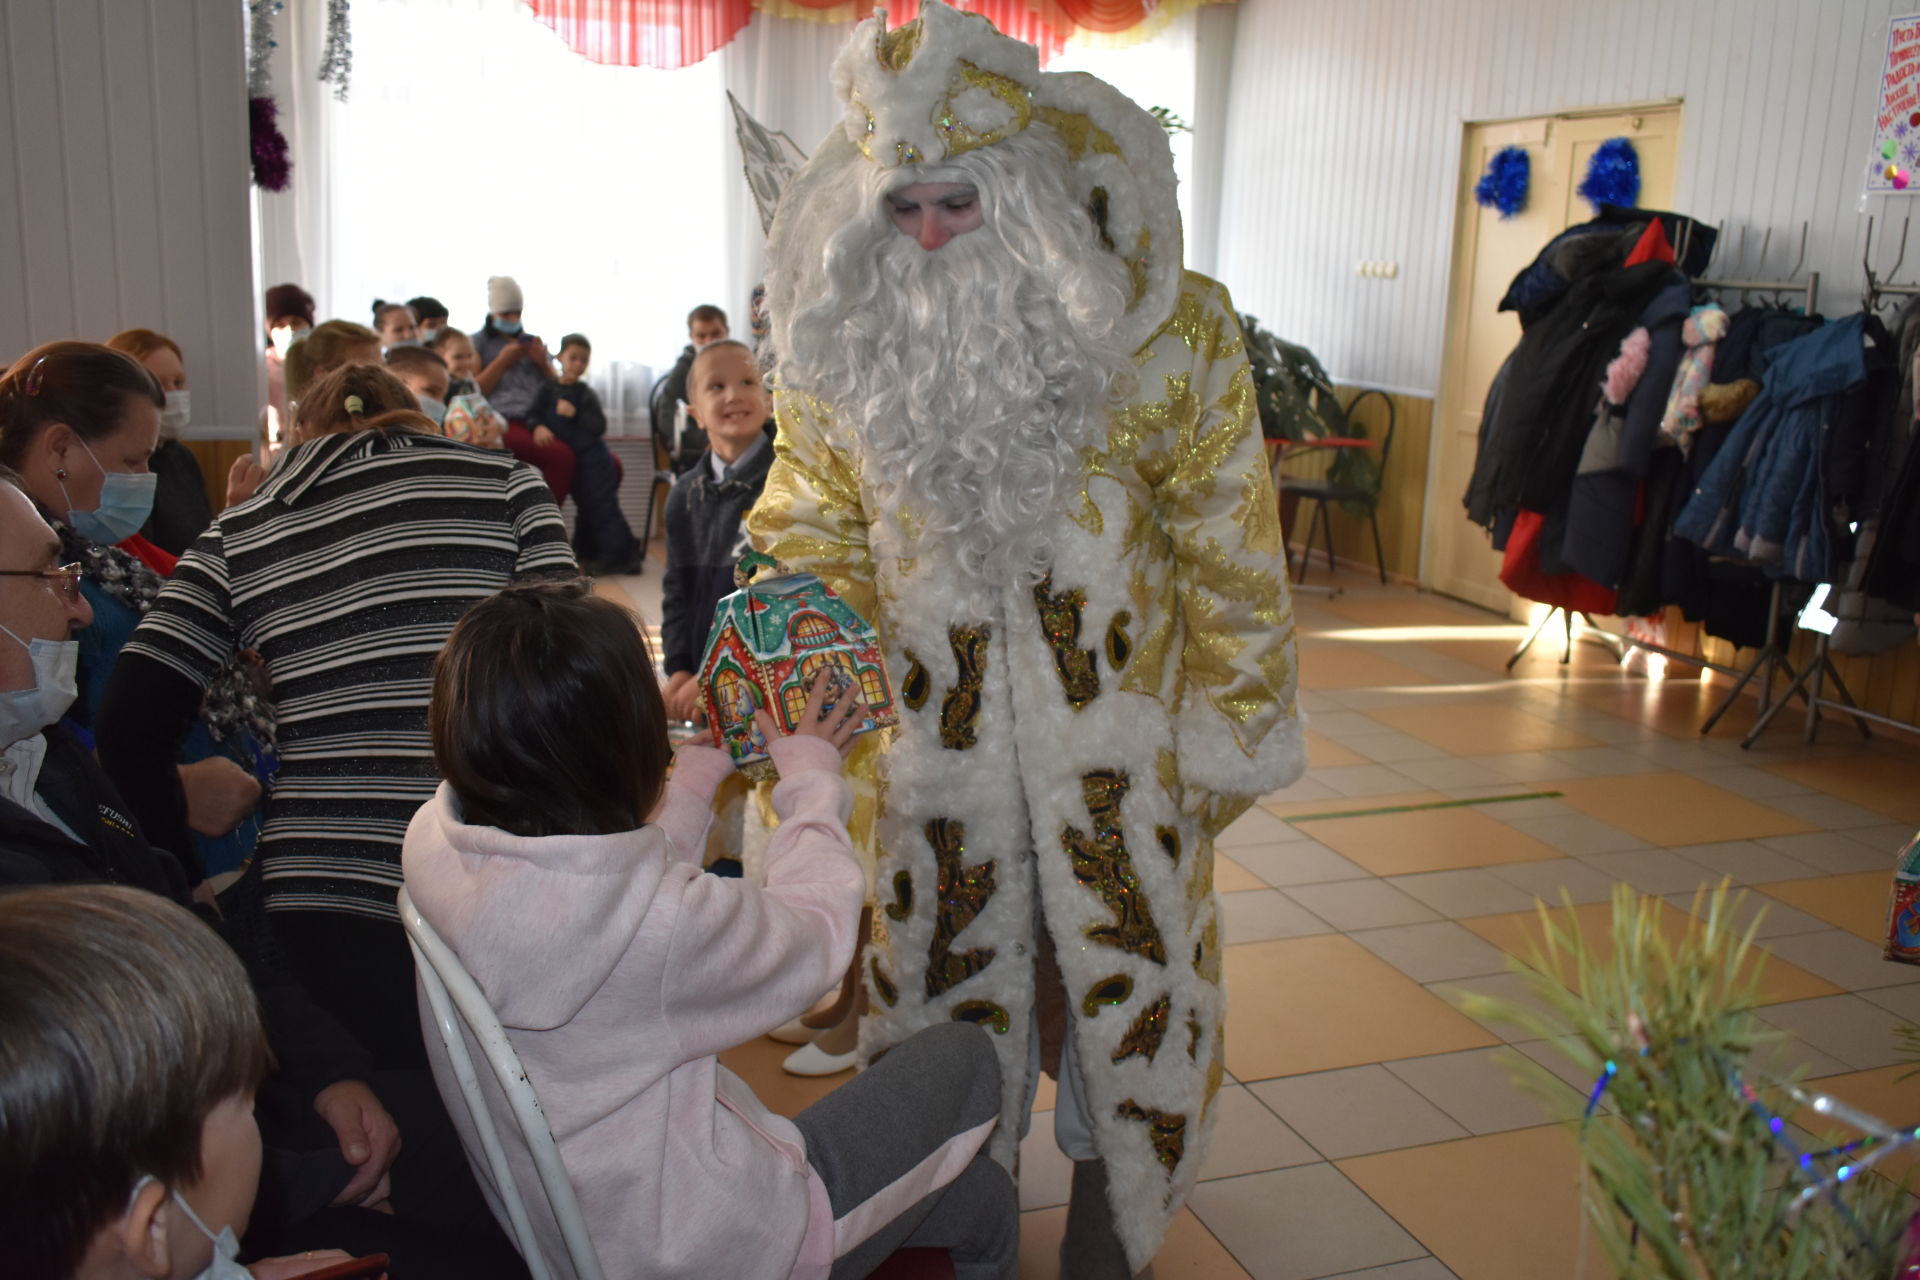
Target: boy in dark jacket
[[603, 541], [706, 508]]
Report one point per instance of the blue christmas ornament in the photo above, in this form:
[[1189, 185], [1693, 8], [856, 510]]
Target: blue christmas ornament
[[1504, 185], [1613, 175]]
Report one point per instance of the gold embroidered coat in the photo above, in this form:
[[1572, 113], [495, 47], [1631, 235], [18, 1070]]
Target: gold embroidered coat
[[1085, 744]]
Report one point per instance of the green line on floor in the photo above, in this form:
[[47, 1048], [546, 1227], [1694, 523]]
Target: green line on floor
[[1420, 808]]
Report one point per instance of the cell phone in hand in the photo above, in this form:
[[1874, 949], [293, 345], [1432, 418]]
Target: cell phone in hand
[[524, 339], [371, 1267]]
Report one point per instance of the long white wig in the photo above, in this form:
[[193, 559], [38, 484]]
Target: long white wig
[[975, 375]]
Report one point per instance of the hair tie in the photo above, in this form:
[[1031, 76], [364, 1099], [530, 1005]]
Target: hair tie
[[31, 384], [355, 404]]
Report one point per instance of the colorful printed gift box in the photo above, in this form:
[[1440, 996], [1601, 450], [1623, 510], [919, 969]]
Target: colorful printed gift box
[[1903, 912], [769, 639]]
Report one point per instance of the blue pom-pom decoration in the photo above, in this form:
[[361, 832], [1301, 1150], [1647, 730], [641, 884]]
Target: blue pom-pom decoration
[[1613, 175], [1504, 185]]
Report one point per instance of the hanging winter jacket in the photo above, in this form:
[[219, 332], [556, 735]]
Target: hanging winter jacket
[[1602, 503], [1760, 499], [1703, 330]]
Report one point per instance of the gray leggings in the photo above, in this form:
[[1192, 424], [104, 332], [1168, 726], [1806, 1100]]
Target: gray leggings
[[878, 1128]]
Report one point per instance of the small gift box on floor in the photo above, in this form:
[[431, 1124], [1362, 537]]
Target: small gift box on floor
[[1903, 912], [769, 640]]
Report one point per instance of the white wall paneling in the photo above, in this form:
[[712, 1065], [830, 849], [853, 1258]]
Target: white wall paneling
[[1344, 129], [123, 149]]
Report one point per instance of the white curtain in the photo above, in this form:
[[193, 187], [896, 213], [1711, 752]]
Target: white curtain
[[474, 143]]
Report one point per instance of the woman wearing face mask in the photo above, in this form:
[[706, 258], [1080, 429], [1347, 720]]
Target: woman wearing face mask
[[514, 367], [289, 316], [78, 422], [181, 511]]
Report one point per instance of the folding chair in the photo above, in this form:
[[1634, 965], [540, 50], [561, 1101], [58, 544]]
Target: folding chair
[[453, 1002]]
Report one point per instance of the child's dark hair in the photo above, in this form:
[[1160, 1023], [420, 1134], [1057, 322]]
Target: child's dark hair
[[124, 1021], [83, 384], [576, 340], [443, 335], [706, 311], [382, 309], [286, 301], [414, 360], [546, 717], [358, 397], [425, 308]]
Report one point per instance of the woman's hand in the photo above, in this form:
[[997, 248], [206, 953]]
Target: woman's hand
[[220, 795], [543, 437], [682, 696], [244, 477], [836, 724]]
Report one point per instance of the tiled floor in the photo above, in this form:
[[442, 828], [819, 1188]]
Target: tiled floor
[[1369, 1127]]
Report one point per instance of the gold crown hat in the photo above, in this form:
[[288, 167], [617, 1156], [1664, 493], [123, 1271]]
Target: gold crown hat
[[948, 83]]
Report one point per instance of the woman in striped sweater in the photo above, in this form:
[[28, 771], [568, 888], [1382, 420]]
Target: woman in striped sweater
[[345, 572]]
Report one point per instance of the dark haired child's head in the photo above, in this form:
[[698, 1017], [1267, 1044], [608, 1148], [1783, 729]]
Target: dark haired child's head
[[423, 371], [706, 325], [430, 314], [395, 323], [546, 718], [358, 397], [130, 1049], [576, 353], [727, 396], [456, 348]]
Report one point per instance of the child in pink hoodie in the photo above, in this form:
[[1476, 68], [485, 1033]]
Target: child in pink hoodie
[[619, 970]]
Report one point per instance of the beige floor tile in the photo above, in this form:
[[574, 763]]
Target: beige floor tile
[[1428, 1268], [1402, 610], [1436, 952], [1254, 827], [1301, 862], [1451, 771], [1509, 988], [1249, 1138], [1674, 809], [1850, 963], [1577, 834], [1290, 809], [1360, 904], [1655, 871], [1353, 667], [1777, 918], [1856, 903], [1324, 753], [1188, 1253], [1366, 780], [1479, 1090], [1554, 881], [1854, 1030], [1479, 728], [1751, 781], [1835, 852], [1471, 892], [1356, 1111], [1391, 844], [1745, 861], [1519, 935], [1880, 1092], [1887, 784], [1298, 1224], [1312, 1004], [1043, 1093], [1231, 877], [1829, 812], [1262, 914], [1504, 1206], [1388, 747], [1046, 1175]]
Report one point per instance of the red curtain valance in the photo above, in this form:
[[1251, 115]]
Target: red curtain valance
[[678, 33]]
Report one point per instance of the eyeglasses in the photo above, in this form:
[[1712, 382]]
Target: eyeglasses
[[65, 579]]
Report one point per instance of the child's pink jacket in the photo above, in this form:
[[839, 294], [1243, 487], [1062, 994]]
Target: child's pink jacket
[[619, 970]]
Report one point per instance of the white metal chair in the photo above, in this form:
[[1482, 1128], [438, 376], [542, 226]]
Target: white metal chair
[[454, 1001]]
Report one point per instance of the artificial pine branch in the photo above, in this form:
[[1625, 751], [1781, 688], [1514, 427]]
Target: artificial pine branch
[[1686, 1177]]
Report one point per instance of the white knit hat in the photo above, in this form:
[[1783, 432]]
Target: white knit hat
[[503, 294]]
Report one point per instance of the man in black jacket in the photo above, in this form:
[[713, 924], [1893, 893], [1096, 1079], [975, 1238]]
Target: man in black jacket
[[331, 1142], [706, 325]]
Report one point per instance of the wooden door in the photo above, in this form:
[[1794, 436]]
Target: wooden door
[[1488, 252]]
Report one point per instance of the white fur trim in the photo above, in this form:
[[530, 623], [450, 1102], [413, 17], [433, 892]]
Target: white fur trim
[[1213, 759]]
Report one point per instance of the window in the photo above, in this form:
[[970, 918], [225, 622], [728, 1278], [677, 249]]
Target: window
[[872, 688], [794, 696]]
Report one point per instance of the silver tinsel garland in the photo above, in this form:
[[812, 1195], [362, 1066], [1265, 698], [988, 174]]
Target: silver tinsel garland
[[261, 44], [336, 60]]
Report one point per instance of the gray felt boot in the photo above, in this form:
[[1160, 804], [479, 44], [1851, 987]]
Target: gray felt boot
[[1091, 1250]]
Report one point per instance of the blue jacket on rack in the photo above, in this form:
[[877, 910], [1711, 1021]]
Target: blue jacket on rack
[[1761, 499]]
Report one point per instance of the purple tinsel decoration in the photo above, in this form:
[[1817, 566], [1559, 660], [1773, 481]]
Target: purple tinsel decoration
[[271, 167], [1504, 185], [1613, 175]]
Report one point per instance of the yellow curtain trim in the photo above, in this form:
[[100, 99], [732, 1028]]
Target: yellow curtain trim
[[1149, 27]]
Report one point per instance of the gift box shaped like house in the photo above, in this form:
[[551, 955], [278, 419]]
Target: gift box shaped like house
[[769, 640]]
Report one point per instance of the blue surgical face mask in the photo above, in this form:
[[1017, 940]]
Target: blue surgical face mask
[[435, 409], [508, 327], [428, 335], [25, 712], [126, 500], [225, 1262], [403, 342]]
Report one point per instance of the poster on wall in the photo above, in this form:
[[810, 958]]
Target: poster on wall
[[1896, 120]]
